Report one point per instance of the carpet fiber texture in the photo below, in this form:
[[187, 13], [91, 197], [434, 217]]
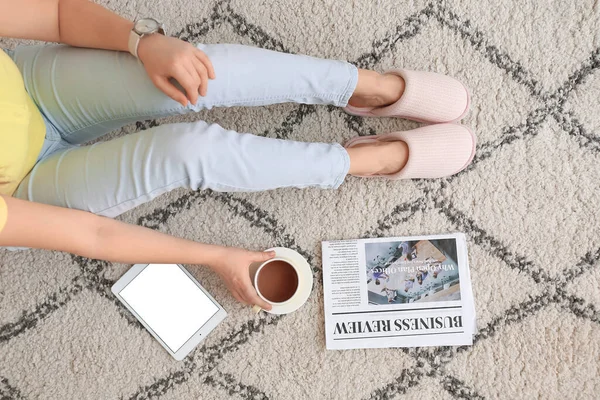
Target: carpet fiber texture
[[528, 205]]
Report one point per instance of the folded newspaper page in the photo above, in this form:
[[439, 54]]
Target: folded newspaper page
[[398, 292]]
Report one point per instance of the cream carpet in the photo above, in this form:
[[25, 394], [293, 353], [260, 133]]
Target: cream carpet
[[528, 204]]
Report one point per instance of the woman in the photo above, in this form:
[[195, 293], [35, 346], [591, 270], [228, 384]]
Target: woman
[[55, 192]]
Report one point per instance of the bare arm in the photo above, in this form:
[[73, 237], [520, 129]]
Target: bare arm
[[82, 23], [76, 22], [42, 226], [19, 20]]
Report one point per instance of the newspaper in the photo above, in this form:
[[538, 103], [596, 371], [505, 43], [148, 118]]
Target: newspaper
[[398, 292]]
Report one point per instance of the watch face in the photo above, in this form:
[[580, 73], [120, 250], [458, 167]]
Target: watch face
[[146, 25]]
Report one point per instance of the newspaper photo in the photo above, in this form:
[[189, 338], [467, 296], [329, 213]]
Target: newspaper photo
[[398, 292]]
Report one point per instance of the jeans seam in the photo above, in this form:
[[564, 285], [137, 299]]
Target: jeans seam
[[346, 160], [345, 97], [326, 96], [145, 194], [251, 99], [270, 188]]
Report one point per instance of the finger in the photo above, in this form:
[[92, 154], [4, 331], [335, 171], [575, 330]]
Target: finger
[[243, 298], [203, 58], [190, 68], [188, 82], [258, 256], [236, 295], [239, 298], [201, 70], [207, 63], [170, 90], [253, 298]]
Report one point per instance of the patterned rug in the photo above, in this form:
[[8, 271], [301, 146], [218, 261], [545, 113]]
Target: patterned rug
[[528, 204]]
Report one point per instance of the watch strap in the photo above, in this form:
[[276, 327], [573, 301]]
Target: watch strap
[[133, 42]]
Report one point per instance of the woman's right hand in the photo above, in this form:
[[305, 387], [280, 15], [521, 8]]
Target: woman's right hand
[[167, 57], [233, 266]]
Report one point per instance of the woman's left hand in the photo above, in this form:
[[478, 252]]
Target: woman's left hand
[[166, 57]]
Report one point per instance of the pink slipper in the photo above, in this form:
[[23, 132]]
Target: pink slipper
[[434, 151], [427, 97]]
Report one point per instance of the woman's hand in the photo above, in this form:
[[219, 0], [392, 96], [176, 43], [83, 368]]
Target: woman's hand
[[167, 57], [233, 267]]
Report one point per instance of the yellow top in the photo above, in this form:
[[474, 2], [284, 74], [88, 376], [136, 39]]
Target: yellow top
[[22, 130], [3, 213]]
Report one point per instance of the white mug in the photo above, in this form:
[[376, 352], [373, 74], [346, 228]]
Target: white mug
[[258, 273], [305, 281]]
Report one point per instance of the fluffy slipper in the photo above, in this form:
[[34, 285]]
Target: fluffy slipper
[[427, 97], [434, 151]]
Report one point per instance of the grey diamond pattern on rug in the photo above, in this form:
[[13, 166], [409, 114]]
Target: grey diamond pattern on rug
[[528, 205]]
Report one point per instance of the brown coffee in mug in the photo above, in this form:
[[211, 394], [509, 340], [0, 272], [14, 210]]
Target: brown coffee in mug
[[277, 281]]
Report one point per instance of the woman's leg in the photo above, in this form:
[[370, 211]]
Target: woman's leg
[[86, 93], [109, 178]]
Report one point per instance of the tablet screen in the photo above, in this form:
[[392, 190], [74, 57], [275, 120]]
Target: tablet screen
[[169, 302]]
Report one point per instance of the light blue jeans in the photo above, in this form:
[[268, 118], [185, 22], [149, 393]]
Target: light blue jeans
[[84, 94]]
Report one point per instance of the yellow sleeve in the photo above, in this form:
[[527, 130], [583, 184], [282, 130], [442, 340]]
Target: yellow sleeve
[[3, 213]]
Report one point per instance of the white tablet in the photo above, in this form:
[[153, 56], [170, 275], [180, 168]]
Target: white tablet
[[171, 304]]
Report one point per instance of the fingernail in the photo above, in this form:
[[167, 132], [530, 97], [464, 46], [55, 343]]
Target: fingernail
[[256, 309]]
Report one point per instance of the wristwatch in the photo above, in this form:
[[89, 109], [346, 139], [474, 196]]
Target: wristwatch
[[141, 28]]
